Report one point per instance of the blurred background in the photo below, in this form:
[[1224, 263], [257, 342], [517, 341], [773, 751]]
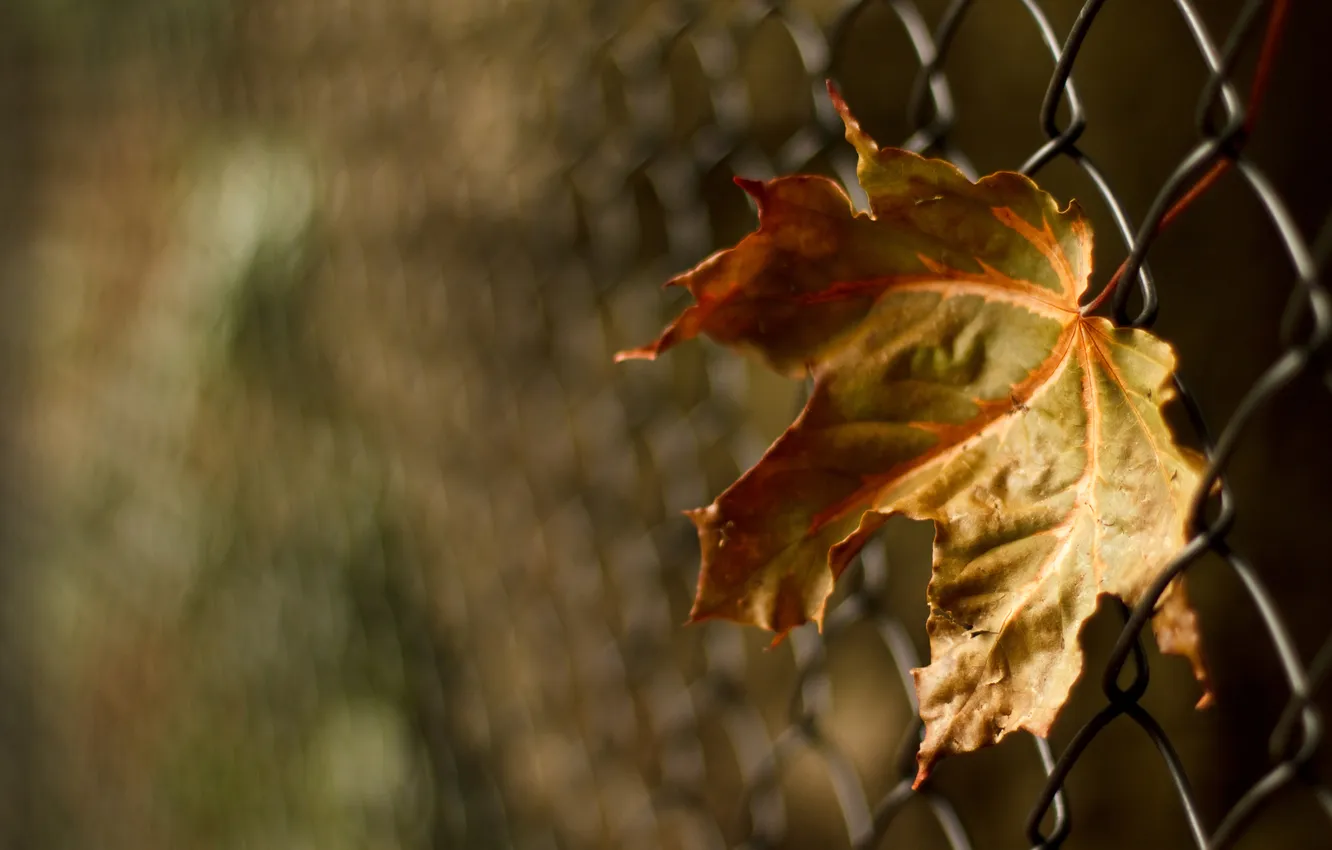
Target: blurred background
[[328, 522]]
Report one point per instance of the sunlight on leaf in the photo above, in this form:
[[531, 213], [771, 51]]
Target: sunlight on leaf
[[954, 381]]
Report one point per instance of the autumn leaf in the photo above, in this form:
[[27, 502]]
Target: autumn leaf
[[954, 381]]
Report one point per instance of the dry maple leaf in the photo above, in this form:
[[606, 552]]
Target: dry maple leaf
[[955, 381]]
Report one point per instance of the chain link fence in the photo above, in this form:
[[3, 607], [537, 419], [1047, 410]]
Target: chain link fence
[[343, 530]]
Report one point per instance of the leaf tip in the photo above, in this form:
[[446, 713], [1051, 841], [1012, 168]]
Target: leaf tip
[[646, 352], [684, 327], [854, 133], [697, 617], [838, 102], [922, 773], [705, 607], [708, 607], [756, 189]]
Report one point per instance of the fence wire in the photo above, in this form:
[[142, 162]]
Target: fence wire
[[674, 169]]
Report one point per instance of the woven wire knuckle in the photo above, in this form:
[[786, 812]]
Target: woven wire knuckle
[[641, 146]]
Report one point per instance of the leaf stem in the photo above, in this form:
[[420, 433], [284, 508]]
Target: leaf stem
[[1276, 21]]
